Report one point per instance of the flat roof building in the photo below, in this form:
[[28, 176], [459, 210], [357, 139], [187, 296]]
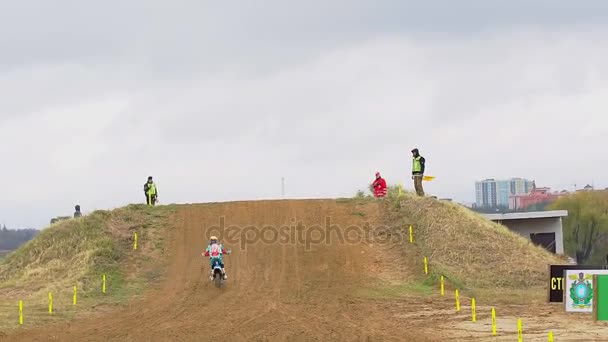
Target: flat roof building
[[541, 227]]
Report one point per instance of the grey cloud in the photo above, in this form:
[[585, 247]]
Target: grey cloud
[[218, 100], [175, 37]]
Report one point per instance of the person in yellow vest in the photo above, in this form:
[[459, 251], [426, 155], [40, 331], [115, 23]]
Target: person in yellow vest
[[151, 192], [418, 171]]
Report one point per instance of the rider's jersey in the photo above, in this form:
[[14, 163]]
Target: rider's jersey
[[215, 250]]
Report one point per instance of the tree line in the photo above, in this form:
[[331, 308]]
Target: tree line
[[505, 209], [11, 239], [586, 226]]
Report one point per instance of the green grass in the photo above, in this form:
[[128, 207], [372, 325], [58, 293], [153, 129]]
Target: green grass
[[78, 252], [392, 291]]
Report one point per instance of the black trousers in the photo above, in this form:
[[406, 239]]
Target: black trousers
[[150, 200]]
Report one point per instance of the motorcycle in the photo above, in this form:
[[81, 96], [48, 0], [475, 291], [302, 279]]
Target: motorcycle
[[218, 276]]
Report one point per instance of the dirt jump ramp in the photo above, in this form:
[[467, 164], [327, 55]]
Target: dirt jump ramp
[[278, 288]]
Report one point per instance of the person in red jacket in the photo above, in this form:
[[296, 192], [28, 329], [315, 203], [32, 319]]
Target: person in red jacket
[[379, 186]]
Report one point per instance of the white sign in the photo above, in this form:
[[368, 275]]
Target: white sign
[[578, 292]]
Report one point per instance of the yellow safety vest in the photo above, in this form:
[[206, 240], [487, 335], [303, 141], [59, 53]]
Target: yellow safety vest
[[152, 189], [416, 166]]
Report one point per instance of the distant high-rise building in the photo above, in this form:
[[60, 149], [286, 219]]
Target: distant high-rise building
[[485, 193], [492, 193]]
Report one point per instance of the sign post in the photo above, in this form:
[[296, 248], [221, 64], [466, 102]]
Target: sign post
[[579, 290], [557, 282], [600, 297]]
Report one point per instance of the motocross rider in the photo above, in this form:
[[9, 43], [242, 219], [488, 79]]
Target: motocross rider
[[215, 251]]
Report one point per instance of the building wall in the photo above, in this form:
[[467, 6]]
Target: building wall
[[540, 195], [520, 186], [485, 193], [514, 202], [502, 193], [490, 194], [478, 194], [539, 225]]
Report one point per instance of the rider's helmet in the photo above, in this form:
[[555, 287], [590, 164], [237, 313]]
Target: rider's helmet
[[377, 174], [213, 239]]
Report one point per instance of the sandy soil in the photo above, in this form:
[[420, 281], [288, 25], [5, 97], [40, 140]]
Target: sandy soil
[[284, 292]]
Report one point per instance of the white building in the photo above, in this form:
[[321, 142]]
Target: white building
[[542, 227]]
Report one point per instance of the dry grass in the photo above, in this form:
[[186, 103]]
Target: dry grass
[[472, 252], [77, 252], [506, 296]]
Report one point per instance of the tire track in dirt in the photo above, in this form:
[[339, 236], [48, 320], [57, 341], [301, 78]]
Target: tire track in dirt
[[273, 292]]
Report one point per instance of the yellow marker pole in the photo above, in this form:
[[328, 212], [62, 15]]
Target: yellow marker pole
[[519, 331], [21, 312], [135, 241], [426, 266], [74, 295], [50, 303], [411, 234], [493, 322], [457, 301], [400, 187], [442, 287], [103, 286], [550, 336], [473, 311]]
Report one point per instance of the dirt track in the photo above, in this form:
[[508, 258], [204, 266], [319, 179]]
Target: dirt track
[[275, 291]]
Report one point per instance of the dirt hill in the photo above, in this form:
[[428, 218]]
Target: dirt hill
[[468, 249], [300, 270]]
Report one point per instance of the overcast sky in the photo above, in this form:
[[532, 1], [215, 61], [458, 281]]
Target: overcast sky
[[220, 99]]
